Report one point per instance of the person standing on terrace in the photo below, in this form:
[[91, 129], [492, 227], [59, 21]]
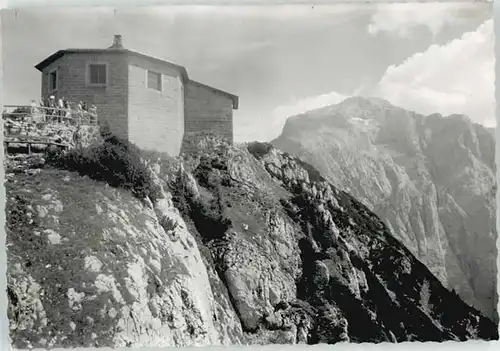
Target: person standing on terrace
[[67, 109], [79, 111], [33, 107], [60, 109], [52, 107], [36, 116]]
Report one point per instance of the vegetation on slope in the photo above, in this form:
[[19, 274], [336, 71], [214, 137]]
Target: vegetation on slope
[[114, 161], [293, 258]]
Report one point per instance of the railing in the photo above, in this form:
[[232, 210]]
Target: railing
[[49, 115], [29, 143], [37, 127]]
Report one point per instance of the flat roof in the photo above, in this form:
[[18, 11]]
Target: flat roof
[[60, 53]]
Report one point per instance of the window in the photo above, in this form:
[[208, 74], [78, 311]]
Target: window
[[154, 80], [97, 73], [53, 80]]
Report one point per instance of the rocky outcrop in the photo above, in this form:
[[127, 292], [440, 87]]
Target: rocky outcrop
[[305, 262], [239, 246], [430, 178], [90, 265]]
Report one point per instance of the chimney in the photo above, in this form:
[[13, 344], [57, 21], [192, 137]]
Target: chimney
[[117, 42]]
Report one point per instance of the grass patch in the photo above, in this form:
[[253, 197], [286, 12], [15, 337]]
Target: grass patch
[[206, 211]]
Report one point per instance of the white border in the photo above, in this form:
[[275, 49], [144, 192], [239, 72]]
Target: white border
[[414, 346]]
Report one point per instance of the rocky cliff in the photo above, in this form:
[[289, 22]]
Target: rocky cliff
[[430, 178], [233, 246]]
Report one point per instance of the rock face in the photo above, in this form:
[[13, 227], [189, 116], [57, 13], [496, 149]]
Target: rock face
[[431, 179], [90, 265], [242, 246]]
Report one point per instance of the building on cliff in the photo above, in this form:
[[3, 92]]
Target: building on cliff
[[149, 101]]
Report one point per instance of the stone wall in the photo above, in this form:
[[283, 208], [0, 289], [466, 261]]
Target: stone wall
[[155, 118], [207, 110], [111, 100], [52, 132]]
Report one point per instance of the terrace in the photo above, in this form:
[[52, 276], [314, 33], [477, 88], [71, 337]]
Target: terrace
[[33, 128]]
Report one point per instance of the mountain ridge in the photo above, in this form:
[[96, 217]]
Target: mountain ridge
[[422, 174]]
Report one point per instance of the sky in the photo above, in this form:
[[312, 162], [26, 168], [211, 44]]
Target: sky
[[282, 60]]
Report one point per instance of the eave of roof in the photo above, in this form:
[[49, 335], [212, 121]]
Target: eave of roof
[[60, 53], [233, 97]]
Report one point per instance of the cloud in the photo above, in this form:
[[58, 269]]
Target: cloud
[[401, 18], [455, 78]]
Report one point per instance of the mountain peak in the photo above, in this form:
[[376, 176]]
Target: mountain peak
[[353, 109], [360, 107], [366, 102], [403, 165]]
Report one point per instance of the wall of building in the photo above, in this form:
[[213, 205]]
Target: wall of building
[[61, 65], [156, 118], [111, 100], [149, 118], [207, 110]]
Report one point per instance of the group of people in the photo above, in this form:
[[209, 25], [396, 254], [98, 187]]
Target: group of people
[[60, 110]]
